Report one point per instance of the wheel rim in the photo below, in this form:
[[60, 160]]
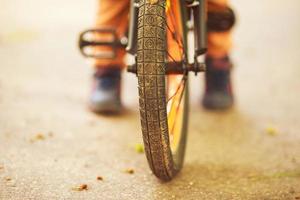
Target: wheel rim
[[175, 110], [176, 84]]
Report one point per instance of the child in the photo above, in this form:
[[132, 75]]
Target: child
[[105, 96]]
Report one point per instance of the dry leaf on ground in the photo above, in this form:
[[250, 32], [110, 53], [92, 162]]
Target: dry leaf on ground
[[271, 130], [129, 171], [139, 148], [80, 187]]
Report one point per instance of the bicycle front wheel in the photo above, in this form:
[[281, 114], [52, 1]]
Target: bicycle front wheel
[[163, 98]]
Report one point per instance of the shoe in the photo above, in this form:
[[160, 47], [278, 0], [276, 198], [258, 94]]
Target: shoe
[[105, 96], [218, 92]]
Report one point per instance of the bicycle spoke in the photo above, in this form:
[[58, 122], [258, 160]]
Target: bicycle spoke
[[169, 55], [174, 36], [172, 17], [177, 35], [178, 106], [182, 82]]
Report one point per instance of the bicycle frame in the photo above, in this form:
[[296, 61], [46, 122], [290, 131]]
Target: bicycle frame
[[194, 10]]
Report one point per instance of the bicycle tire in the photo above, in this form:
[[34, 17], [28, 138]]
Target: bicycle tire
[[151, 73]]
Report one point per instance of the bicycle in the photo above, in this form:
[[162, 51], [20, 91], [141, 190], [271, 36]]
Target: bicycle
[[155, 26]]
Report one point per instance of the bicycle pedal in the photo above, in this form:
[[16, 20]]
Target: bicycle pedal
[[99, 43]]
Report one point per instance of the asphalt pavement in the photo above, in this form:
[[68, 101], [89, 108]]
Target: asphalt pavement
[[53, 147]]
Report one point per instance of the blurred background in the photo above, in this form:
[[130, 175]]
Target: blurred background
[[50, 142]]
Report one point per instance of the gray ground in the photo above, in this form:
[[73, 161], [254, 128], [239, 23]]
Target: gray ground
[[50, 143]]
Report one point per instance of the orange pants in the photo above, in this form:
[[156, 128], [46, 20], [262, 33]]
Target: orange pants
[[114, 13]]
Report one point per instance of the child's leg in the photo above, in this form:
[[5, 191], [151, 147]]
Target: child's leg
[[105, 96], [218, 90], [219, 43], [113, 14]]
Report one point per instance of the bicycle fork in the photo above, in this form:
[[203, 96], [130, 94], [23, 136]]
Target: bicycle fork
[[199, 17]]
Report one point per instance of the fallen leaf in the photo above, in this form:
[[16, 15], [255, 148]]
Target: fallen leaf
[[139, 148], [80, 187], [129, 171], [40, 136], [37, 137], [271, 130]]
